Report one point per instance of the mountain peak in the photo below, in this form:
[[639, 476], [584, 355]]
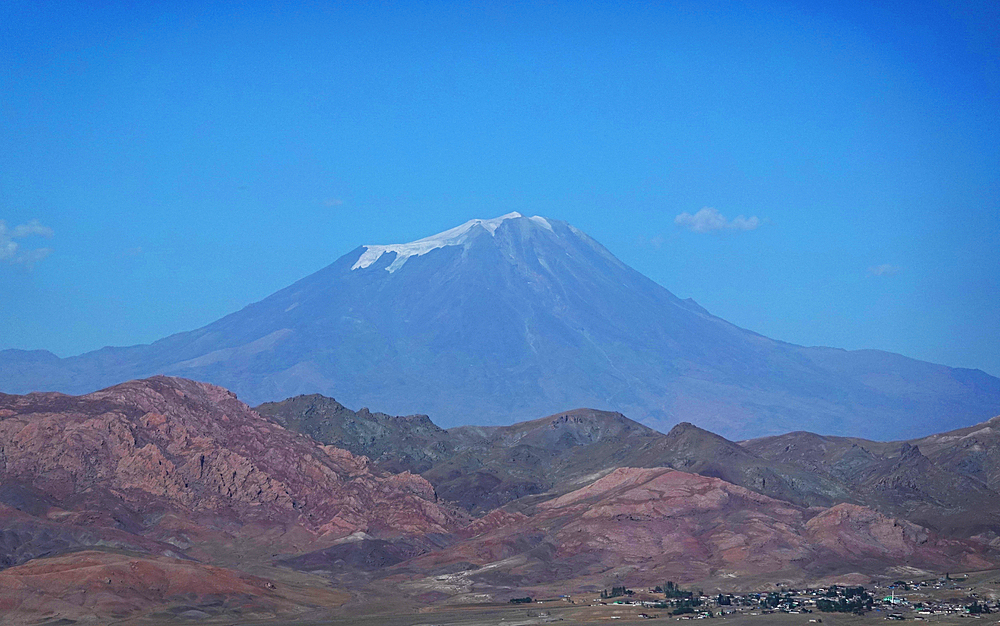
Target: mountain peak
[[513, 317], [457, 236]]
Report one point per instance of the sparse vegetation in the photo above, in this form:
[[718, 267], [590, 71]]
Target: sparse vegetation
[[977, 609], [616, 592], [671, 590], [846, 600]]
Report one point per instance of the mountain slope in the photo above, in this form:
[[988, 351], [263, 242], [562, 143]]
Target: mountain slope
[[506, 319]]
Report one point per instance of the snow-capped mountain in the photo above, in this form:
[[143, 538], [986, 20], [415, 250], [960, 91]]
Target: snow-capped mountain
[[516, 317]]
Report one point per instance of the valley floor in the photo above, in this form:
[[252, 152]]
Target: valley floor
[[568, 615], [588, 609]]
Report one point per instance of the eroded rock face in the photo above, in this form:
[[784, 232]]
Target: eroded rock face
[[851, 530], [167, 445], [632, 514]]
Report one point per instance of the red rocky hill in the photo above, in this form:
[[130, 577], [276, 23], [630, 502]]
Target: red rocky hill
[[168, 444], [167, 466]]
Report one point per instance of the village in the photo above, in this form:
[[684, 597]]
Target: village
[[919, 600]]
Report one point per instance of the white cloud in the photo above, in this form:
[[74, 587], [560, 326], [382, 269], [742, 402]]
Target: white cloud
[[708, 219], [883, 270], [34, 227], [11, 250]]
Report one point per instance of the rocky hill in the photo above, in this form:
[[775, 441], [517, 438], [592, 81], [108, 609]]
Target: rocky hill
[[172, 445], [948, 481], [519, 466], [484, 467]]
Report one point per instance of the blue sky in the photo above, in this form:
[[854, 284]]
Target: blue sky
[[161, 167]]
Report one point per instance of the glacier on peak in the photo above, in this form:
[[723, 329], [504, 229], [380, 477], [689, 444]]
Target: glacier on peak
[[452, 237]]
